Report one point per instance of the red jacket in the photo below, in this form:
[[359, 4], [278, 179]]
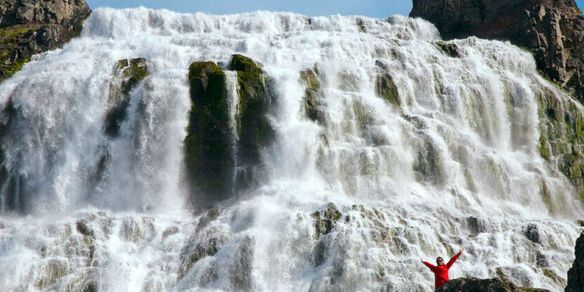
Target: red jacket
[[441, 271]]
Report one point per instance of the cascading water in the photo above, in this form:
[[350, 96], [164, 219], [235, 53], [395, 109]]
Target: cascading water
[[351, 200]]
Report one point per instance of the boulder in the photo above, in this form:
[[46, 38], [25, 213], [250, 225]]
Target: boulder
[[29, 27], [209, 144], [491, 285], [552, 30], [576, 273]]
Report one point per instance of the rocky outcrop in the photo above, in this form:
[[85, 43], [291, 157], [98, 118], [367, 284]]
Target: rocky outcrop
[[127, 76], [29, 27], [223, 144], [576, 273], [209, 144], [561, 140], [492, 285], [314, 103], [552, 30]]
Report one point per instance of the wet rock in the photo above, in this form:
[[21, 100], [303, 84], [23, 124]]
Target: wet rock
[[385, 86], [213, 169], [241, 278], [541, 260], [30, 27], [254, 129], [576, 272], [51, 271], [475, 225], [314, 103], [209, 144], [208, 247], [551, 30], [84, 229], [561, 139], [474, 284], [532, 233], [169, 232], [127, 76], [450, 49], [325, 220]]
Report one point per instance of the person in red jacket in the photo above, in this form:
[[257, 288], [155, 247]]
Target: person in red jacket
[[441, 270]]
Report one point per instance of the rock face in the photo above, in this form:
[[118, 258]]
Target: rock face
[[552, 30], [29, 27], [224, 140], [491, 285], [128, 74], [576, 273], [208, 145]]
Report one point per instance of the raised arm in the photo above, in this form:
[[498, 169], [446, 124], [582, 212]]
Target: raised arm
[[429, 265], [453, 259]]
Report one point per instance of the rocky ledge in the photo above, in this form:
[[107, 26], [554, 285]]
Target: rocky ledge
[[553, 30], [29, 27], [474, 284]]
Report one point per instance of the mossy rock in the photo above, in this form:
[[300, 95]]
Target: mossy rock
[[313, 95], [13, 56], [562, 135], [209, 144], [255, 100], [385, 88], [128, 75]]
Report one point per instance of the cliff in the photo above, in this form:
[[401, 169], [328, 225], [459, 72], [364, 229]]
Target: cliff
[[29, 27], [551, 29]]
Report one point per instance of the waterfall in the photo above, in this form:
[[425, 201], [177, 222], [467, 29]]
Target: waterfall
[[390, 145]]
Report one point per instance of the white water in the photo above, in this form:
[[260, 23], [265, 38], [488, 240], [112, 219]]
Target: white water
[[469, 126]]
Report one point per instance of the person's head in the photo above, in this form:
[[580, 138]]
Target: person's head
[[439, 261]]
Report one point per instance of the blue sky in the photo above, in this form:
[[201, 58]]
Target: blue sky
[[372, 8]]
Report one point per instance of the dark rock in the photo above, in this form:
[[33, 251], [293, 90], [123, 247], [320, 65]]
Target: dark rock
[[127, 76], [29, 27], [491, 285], [219, 165], [84, 229], [325, 220], [576, 273], [551, 30], [209, 144], [313, 94], [448, 48], [475, 225], [532, 233], [255, 100], [385, 86], [203, 249]]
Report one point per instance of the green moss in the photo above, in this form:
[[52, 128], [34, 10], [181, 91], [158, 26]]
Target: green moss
[[208, 145], [128, 75], [11, 37], [313, 100], [255, 97], [544, 150], [385, 87]]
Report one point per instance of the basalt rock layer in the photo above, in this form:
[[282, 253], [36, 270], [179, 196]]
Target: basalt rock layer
[[30, 27], [551, 30]]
